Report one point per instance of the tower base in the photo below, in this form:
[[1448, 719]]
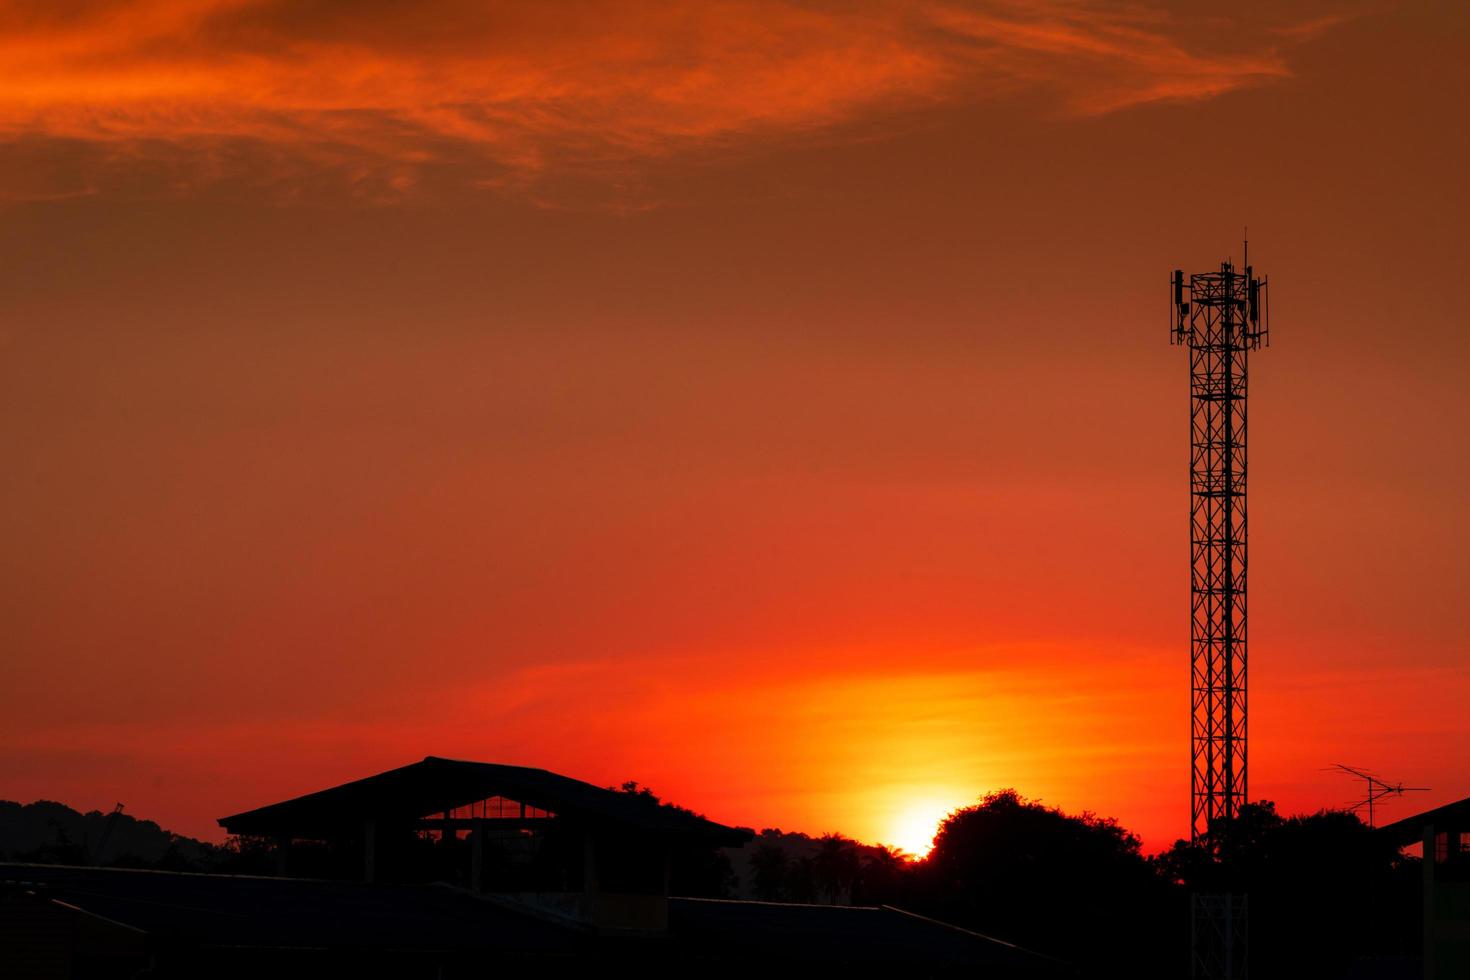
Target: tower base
[[1218, 934]]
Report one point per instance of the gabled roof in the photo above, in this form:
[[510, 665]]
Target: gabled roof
[[435, 785], [1410, 830]]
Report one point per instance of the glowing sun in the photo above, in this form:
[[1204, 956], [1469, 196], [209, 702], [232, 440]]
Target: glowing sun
[[914, 829]]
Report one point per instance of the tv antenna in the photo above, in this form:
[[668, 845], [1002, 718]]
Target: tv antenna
[[1377, 788], [107, 828]]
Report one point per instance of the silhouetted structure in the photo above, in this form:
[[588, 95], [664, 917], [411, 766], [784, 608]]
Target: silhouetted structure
[[445, 869], [104, 922], [1376, 789], [100, 851], [1444, 833], [568, 847], [1221, 317]]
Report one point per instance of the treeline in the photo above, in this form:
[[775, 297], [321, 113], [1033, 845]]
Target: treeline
[[828, 870], [46, 832], [779, 867], [1327, 895]]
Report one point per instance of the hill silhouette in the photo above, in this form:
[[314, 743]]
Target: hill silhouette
[[47, 832]]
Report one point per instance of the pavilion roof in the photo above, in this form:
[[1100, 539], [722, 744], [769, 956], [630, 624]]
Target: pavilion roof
[[1410, 830], [435, 785]]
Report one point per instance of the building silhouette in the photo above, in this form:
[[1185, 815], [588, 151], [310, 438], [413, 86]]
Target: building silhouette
[[447, 868], [1444, 833]]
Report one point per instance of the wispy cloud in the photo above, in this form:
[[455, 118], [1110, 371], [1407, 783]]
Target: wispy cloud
[[1101, 61], [376, 91]]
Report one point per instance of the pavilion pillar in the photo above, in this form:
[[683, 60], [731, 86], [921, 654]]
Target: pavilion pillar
[[280, 854], [589, 866], [1430, 853], [477, 854], [369, 851]]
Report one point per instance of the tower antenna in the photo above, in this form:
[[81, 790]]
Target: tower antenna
[[1376, 788]]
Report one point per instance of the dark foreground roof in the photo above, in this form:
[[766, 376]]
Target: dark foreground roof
[[226, 925], [853, 936], [435, 785], [247, 911], [1410, 830]]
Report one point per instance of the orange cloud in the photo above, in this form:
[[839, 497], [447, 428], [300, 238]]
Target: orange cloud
[[1102, 62], [377, 90]]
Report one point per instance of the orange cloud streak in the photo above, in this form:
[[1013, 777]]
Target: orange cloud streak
[[381, 89]]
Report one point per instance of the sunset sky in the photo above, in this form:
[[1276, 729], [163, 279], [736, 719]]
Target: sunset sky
[[767, 401]]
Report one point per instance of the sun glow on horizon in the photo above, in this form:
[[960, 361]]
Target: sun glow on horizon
[[914, 829]]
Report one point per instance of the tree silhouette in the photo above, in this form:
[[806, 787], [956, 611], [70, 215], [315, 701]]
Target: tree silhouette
[[769, 869], [836, 867], [694, 870], [1076, 887], [1324, 889], [885, 876]]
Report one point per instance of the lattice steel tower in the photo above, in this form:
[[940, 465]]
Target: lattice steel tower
[[1221, 317]]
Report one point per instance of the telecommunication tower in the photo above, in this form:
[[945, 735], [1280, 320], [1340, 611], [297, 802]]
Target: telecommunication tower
[[1221, 317]]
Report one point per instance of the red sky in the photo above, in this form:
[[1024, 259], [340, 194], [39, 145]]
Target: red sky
[[768, 401]]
